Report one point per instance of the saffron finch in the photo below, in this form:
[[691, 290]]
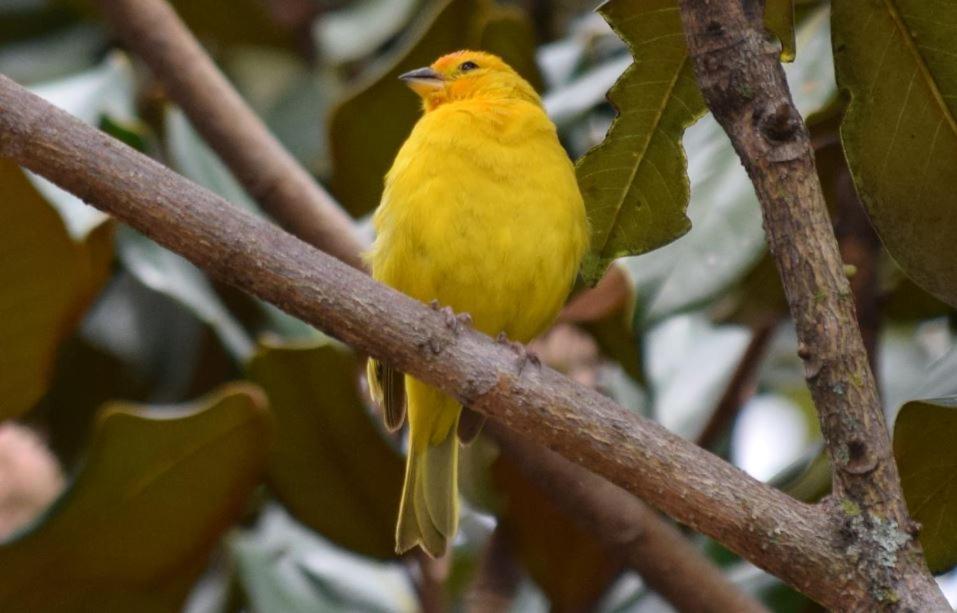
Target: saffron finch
[[481, 212]]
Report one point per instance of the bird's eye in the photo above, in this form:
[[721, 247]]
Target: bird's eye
[[467, 66]]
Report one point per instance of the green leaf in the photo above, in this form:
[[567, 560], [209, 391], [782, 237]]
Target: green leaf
[[270, 583], [331, 466], [726, 238], [368, 127], [131, 134], [133, 532], [192, 157], [160, 342], [85, 377], [169, 273], [46, 282], [779, 20], [896, 60], [635, 182], [293, 119], [924, 434], [285, 567]]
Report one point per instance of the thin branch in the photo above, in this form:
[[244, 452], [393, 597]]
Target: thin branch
[[789, 539], [741, 385], [497, 579], [258, 161], [430, 585], [742, 80], [658, 551]]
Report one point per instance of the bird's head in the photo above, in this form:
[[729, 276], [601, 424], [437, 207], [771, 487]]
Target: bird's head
[[467, 75]]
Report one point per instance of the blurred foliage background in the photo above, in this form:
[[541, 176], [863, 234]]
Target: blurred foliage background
[[172, 443]]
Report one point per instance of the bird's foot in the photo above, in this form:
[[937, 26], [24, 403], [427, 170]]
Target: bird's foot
[[456, 322], [525, 356]]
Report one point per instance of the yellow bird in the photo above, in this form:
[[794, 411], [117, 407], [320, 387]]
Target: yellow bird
[[481, 213]]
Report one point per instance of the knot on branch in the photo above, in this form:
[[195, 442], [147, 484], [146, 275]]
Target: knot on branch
[[860, 460], [781, 124], [812, 364]]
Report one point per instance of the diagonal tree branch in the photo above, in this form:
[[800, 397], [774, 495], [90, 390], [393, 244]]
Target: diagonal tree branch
[[794, 541], [631, 529], [267, 171], [744, 85], [153, 30]]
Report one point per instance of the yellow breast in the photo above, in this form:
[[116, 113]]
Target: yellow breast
[[481, 211]]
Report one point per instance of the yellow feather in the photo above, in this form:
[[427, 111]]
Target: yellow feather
[[481, 211]]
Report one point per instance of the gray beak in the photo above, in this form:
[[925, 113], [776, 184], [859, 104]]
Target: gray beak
[[423, 76]]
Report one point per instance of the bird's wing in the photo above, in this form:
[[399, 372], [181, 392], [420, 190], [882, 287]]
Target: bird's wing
[[387, 387], [470, 425]]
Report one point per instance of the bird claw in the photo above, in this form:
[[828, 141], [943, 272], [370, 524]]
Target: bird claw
[[525, 356], [456, 322]]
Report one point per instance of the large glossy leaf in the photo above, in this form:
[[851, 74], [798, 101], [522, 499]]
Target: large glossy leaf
[[46, 281], [368, 127], [85, 377], [169, 273], [133, 531], [298, 118], [331, 466], [726, 238], [568, 563], [924, 435], [896, 60], [779, 20], [160, 343], [285, 567], [192, 157], [635, 183]]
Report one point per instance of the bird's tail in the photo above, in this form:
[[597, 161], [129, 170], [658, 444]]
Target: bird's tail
[[429, 511]]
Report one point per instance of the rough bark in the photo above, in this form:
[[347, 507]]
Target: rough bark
[[794, 541], [257, 160], [742, 80]]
